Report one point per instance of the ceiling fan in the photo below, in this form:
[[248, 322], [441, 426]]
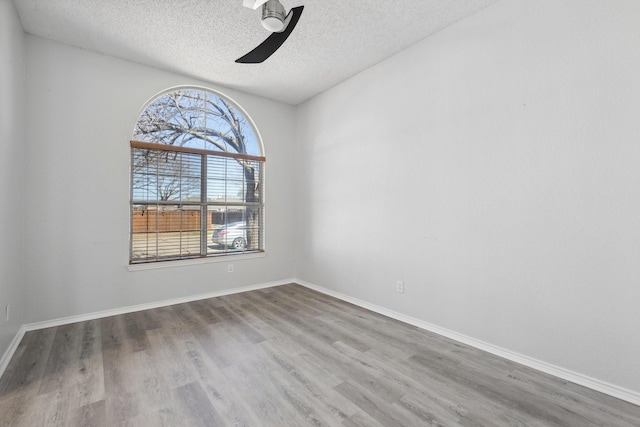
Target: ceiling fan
[[274, 20]]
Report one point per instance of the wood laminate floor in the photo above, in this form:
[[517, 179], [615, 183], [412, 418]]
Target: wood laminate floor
[[283, 356]]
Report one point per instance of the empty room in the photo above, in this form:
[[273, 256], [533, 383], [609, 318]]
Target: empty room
[[327, 213]]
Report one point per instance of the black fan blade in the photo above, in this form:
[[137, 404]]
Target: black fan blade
[[273, 42]]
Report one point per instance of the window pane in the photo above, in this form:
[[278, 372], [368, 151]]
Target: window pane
[[190, 234], [217, 190], [190, 189], [254, 224], [144, 187], [191, 165], [166, 176], [253, 182], [228, 232], [217, 167], [144, 225], [228, 178], [167, 118], [166, 231], [144, 173]]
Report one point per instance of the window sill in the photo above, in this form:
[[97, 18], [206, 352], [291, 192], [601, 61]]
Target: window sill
[[194, 261]]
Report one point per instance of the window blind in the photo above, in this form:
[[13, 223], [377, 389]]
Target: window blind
[[188, 203]]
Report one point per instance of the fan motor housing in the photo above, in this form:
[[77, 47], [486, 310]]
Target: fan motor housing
[[273, 16]]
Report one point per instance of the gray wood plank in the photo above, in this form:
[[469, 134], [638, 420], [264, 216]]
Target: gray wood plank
[[19, 390], [90, 415], [194, 406], [373, 405], [221, 391]]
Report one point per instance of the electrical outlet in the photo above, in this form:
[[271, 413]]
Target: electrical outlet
[[400, 286], [230, 268]]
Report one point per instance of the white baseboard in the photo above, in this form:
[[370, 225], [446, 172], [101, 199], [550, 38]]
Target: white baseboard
[[566, 374], [8, 354]]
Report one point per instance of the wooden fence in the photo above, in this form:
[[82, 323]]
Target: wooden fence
[[145, 221]]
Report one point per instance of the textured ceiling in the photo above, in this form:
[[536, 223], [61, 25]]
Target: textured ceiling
[[334, 39]]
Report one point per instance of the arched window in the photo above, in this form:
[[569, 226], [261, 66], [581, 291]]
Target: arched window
[[197, 172]]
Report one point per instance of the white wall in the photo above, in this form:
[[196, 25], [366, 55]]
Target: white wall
[[81, 111], [495, 168], [12, 89]]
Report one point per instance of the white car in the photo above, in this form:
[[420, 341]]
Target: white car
[[233, 235]]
